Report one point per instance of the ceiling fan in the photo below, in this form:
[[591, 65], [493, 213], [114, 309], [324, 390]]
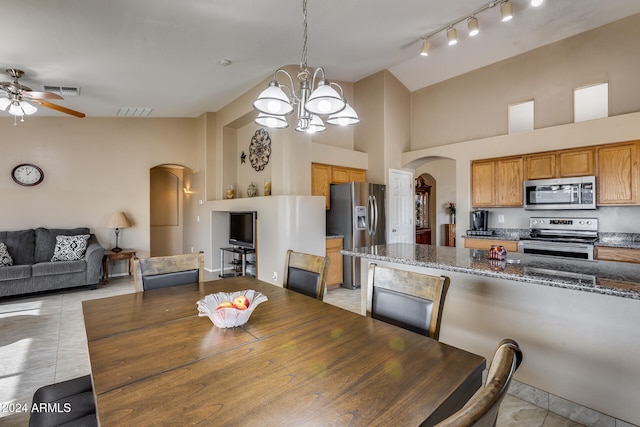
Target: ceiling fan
[[18, 99]]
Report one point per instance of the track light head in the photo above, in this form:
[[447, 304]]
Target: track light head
[[452, 36], [506, 10], [472, 25], [426, 47]]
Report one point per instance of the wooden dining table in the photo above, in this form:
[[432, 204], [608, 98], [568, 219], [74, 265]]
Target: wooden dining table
[[296, 362]]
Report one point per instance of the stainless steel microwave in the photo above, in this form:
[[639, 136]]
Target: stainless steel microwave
[[560, 193]]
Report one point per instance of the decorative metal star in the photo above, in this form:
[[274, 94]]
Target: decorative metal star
[[243, 157]]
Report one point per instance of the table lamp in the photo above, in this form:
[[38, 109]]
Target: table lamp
[[118, 220]]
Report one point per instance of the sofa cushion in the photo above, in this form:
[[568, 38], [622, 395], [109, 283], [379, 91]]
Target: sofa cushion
[[46, 240], [70, 248], [5, 256], [58, 267], [15, 272], [20, 244]]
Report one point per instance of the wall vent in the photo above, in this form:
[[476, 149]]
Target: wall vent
[[133, 111], [62, 90]]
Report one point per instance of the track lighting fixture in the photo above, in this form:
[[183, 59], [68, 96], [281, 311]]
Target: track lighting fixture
[[426, 47], [452, 36], [506, 10], [472, 25]]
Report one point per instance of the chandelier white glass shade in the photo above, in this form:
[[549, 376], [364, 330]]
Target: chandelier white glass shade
[[315, 96]]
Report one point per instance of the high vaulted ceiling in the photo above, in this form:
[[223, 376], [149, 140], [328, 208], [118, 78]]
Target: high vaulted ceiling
[[164, 54]]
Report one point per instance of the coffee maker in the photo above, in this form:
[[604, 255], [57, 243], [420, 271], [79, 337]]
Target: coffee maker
[[479, 220]]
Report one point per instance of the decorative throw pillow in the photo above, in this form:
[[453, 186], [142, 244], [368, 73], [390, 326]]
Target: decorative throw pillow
[[70, 248], [5, 258]]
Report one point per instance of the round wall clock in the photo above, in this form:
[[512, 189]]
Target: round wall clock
[[260, 149], [27, 174]]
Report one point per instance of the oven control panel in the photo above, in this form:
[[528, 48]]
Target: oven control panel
[[555, 223]]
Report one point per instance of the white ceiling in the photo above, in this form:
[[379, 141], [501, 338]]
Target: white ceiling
[[163, 54]]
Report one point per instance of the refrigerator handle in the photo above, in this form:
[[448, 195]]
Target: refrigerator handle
[[375, 210], [371, 216]]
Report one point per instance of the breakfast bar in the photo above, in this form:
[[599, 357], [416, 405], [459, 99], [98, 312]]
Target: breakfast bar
[[576, 321]]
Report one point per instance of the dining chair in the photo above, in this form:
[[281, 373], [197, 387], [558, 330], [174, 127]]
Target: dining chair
[[482, 409], [165, 271], [413, 301], [305, 273], [74, 402]]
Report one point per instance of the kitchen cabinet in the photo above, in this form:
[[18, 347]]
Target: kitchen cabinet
[[497, 182], [618, 254], [334, 275], [483, 179], [580, 162], [617, 174], [320, 182], [322, 176], [423, 236], [450, 235], [485, 244], [560, 164]]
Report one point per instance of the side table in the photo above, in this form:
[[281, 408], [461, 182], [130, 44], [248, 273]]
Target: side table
[[125, 254]]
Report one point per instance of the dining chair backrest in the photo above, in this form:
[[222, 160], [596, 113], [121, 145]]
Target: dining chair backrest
[[413, 301], [165, 271], [482, 409], [305, 273]]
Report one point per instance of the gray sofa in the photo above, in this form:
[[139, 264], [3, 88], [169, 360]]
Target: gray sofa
[[34, 271]]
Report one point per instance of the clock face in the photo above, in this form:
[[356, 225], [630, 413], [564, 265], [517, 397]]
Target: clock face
[[27, 174]]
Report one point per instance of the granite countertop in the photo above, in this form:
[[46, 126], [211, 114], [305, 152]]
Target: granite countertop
[[606, 239], [602, 277], [334, 236]]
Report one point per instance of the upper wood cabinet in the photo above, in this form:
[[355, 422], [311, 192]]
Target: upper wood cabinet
[[560, 164], [322, 176], [617, 177], [497, 182]]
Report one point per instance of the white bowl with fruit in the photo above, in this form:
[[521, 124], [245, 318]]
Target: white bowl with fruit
[[228, 310]]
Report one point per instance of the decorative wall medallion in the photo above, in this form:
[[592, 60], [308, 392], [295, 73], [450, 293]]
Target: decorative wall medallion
[[260, 149], [243, 158]]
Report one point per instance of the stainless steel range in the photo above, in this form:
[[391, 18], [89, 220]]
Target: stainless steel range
[[561, 237]]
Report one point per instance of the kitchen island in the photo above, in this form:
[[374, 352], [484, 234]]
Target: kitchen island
[[576, 321]]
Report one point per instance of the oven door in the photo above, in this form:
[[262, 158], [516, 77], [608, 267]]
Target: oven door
[[557, 249]]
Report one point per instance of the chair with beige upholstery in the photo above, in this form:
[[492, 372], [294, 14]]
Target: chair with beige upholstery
[[165, 271], [305, 273], [482, 409], [413, 301]]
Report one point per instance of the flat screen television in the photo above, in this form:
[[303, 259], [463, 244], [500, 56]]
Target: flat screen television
[[242, 229]]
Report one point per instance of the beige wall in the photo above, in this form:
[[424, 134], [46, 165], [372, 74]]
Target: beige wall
[[92, 167], [474, 105]]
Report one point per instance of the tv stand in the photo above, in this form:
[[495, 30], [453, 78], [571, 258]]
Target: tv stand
[[239, 262]]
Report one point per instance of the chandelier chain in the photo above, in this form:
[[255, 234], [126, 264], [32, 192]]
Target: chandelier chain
[[303, 60]]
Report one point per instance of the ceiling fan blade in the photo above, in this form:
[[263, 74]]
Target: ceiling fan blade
[[59, 108], [40, 95]]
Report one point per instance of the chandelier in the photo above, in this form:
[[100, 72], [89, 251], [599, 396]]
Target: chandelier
[[316, 97]]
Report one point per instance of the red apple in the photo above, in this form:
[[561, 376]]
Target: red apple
[[239, 306], [241, 299], [225, 304]]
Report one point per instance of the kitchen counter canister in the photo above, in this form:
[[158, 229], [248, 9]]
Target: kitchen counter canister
[[602, 277]]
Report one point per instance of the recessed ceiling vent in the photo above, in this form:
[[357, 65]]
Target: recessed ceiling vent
[[133, 111], [63, 90]]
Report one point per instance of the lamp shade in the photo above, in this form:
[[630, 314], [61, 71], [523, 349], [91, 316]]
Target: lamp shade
[[324, 99], [347, 116], [273, 101], [118, 220], [271, 121], [4, 103]]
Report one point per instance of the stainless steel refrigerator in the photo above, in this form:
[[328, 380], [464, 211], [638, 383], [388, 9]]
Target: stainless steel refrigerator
[[358, 213]]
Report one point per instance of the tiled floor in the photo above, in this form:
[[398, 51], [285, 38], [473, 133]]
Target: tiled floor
[[42, 340]]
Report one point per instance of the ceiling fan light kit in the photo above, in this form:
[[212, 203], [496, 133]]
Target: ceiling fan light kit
[[18, 99], [316, 96]]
